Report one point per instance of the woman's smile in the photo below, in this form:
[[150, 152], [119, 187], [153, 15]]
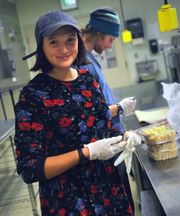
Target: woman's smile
[[61, 49]]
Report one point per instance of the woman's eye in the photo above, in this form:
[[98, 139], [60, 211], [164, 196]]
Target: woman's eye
[[71, 40], [53, 42]]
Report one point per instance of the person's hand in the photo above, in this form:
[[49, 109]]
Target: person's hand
[[106, 148], [128, 105], [132, 140]]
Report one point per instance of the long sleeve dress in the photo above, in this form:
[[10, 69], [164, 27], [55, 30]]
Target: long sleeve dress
[[55, 117]]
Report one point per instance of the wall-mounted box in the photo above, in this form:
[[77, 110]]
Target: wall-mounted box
[[147, 70], [136, 27]]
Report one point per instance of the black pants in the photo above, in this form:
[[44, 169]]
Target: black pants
[[124, 177]]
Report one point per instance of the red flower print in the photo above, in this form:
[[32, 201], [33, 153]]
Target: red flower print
[[109, 169], [52, 211], [63, 179], [129, 210], [25, 126], [106, 201], [18, 153], [83, 116], [88, 104], [93, 189], [85, 212], [86, 93], [69, 85], [49, 134], [61, 145], [44, 202], [82, 71], [34, 145], [62, 212], [46, 148], [53, 102], [96, 84], [61, 194], [37, 126], [93, 139], [109, 124], [114, 191], [47, 103], [90, 121], [58, 102], [65, 122]]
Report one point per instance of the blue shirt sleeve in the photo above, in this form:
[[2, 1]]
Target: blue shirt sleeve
[[96, 70]]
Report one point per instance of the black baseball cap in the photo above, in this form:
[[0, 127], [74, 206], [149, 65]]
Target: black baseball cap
[[48, 23]]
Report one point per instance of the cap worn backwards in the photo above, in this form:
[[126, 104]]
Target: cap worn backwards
[[48, 23], [106, 21]]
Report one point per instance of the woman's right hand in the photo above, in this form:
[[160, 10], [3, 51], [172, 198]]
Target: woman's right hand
[[106, 148]]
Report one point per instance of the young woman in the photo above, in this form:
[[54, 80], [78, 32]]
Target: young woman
[[63, 129]]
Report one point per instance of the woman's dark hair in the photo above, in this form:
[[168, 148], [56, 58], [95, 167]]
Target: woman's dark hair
[[43, 64], [82, 56]]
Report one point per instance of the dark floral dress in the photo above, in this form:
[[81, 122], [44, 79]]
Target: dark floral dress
[[54, 117]]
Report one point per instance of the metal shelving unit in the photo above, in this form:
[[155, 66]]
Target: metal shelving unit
[[15, 195]]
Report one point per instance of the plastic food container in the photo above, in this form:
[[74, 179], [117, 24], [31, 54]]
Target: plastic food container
[[158, 134], [164, 155], [161, 141]]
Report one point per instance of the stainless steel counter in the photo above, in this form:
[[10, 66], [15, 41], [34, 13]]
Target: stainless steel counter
[[163, 176]]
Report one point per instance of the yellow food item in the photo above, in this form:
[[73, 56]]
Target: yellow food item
[[161, 142], [164, 155], [164, 147], [159, 134]]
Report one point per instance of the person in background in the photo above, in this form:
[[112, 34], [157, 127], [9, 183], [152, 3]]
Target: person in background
[[63, 136], [98, 35]]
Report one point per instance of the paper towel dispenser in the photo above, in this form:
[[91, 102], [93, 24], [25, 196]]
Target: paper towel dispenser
[[136, 27]]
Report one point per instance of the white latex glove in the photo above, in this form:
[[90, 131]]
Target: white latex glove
[[128, 104], [133, 139], [106, 148]]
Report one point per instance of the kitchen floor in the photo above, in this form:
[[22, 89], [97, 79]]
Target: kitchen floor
[[14, 193]]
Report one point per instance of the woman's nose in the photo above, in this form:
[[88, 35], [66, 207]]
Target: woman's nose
[[62, 48]]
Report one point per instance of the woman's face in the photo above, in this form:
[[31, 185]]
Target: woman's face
[[61, 48]]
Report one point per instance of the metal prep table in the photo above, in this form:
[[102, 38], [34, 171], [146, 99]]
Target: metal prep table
[[161, 177], [164, 177], [6, 129]]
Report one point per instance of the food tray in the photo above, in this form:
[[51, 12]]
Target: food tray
[[158, 134], [158, 156], [163, 147]]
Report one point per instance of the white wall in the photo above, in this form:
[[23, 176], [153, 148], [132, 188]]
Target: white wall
[[29, 11], [147, 11], [127, 55]]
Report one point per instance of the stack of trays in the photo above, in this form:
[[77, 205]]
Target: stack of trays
[[161, 142]]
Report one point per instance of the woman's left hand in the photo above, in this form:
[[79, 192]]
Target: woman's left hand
[[132, 139]]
